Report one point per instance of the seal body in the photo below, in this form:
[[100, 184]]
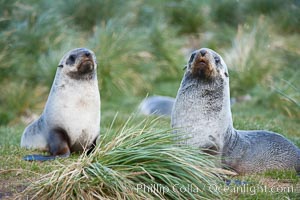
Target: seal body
[[70, 121], [157, 105], [202, 107], [258, 151], [202, 114]]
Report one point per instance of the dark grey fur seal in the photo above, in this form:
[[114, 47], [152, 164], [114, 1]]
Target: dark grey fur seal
[[157, 105], [70, 121], [202, 111]]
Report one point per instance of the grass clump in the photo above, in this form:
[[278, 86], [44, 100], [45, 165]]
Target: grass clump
[[164, 47], [189, 16], [120, 63], [250, 60], [137, 161], [227, 12], [17, 100], [98, 11], [41, 36], [284, 95], [284, 92]]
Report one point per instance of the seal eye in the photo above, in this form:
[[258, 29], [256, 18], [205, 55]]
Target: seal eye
[[61, 66], [192, 57], [71, 60], [217, 60]]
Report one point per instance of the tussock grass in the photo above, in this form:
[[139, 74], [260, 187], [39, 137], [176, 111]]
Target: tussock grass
[[189, 16], [12, 95], [139, 49], [164, 46], [285, 96], [34, 31], [138, 44], [136, 161], [119, 57], [235, 13], [98, 12], [250, 60], [265, 68], [228, 12]]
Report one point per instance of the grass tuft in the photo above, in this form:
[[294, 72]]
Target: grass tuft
[[138, 161], [17, 100], [120, 63], [86, 15], [250, 60]]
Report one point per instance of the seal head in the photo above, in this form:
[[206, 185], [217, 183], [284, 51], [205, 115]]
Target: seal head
[[79, 64], [206, 64]]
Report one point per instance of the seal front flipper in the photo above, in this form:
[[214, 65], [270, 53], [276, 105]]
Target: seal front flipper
[[58, 142], [37, 157]]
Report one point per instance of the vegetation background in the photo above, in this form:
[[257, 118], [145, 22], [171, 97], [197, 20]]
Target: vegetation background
[[141, 47]]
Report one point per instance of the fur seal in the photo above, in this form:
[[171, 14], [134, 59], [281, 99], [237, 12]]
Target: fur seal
[[202, 112], [70, 121], [157, 105]]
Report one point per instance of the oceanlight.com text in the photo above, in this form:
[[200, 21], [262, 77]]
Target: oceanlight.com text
[[223, 189]]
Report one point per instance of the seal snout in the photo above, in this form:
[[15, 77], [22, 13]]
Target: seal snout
[[87, 64], [201, 67]]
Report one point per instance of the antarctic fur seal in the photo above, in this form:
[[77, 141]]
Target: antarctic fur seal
[[157, 105], [70, 121], [202, 112]]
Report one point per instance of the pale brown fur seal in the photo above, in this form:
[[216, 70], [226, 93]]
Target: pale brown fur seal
[[202, 112], [157, 105], [70, 121]]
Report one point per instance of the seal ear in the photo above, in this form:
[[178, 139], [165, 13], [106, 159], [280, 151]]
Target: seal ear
[[61, 66], [226, 74], [184, 68]]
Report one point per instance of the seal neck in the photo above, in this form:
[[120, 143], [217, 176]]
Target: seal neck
[[202, 110]]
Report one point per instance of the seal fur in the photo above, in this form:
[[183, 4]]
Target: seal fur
[[157, 105], [202, 112], [70, 121]]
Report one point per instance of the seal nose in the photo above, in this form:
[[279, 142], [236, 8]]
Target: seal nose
[[203, 52], [87, 54]]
